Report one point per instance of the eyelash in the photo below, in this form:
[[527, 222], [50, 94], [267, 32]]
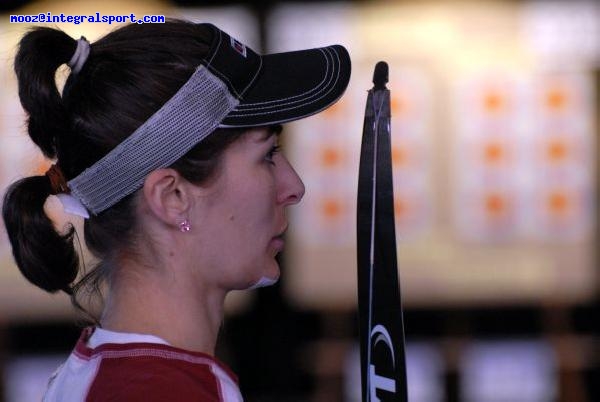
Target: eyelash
[[275, 149]]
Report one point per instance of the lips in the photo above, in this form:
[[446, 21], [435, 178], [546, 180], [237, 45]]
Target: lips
[[277, 241]]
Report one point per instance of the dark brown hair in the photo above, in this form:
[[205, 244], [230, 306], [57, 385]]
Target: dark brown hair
[[129, 74]]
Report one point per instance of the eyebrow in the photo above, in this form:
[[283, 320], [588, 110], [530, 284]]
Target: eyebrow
[[274, 129]]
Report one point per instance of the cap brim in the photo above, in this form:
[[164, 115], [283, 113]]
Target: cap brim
[[291, 86]]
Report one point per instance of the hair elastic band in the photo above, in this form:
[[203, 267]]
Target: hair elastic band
[[60, 188], [58, 183], [80, 56]]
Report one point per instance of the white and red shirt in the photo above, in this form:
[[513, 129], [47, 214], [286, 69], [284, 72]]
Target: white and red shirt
[[111, 366]]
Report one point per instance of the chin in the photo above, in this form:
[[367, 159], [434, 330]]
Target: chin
[[267, 270], [270, 269], [273, 271]]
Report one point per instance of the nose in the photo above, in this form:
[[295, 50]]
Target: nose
[[290, 186]]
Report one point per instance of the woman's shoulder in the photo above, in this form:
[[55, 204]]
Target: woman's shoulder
[[148, 373], [141, 371]]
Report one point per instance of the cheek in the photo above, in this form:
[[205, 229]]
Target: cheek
[[244, 215], [255, 204], [246, 221]]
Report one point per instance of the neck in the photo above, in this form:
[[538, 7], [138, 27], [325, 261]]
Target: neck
[[166, 303]]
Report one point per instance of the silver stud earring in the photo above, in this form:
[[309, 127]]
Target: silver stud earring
[[184, 226]]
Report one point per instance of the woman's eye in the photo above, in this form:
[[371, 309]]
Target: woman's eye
[[269, 157]]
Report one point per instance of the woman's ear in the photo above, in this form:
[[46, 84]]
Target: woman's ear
[[167, 195]]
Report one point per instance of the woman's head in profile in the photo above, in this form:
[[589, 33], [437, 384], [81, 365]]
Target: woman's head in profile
[[165, 138]]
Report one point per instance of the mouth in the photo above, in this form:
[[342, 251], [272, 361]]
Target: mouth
[[277, 242]]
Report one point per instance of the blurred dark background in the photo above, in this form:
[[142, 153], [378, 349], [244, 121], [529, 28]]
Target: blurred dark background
[[470, 337]]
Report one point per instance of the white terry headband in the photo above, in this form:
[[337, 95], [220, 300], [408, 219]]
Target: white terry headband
[[188, 117], [233, 87]]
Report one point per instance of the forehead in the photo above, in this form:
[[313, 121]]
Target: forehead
[[263, 134], [254, 139]]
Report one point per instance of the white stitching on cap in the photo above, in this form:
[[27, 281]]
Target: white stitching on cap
[[218, 46], [317, 93], [289, 108], [278, 109], [284, 120], [221, 75], [299, 95], [255, 75], [293, 107], [217, 72]]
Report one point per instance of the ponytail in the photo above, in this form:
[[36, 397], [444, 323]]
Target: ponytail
[[41, 52], [46, 258], [128, 75]]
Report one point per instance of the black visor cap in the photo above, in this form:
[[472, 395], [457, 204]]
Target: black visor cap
[[280, 87]]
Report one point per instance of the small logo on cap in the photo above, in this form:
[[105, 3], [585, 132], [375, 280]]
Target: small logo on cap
[[239, 47]]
